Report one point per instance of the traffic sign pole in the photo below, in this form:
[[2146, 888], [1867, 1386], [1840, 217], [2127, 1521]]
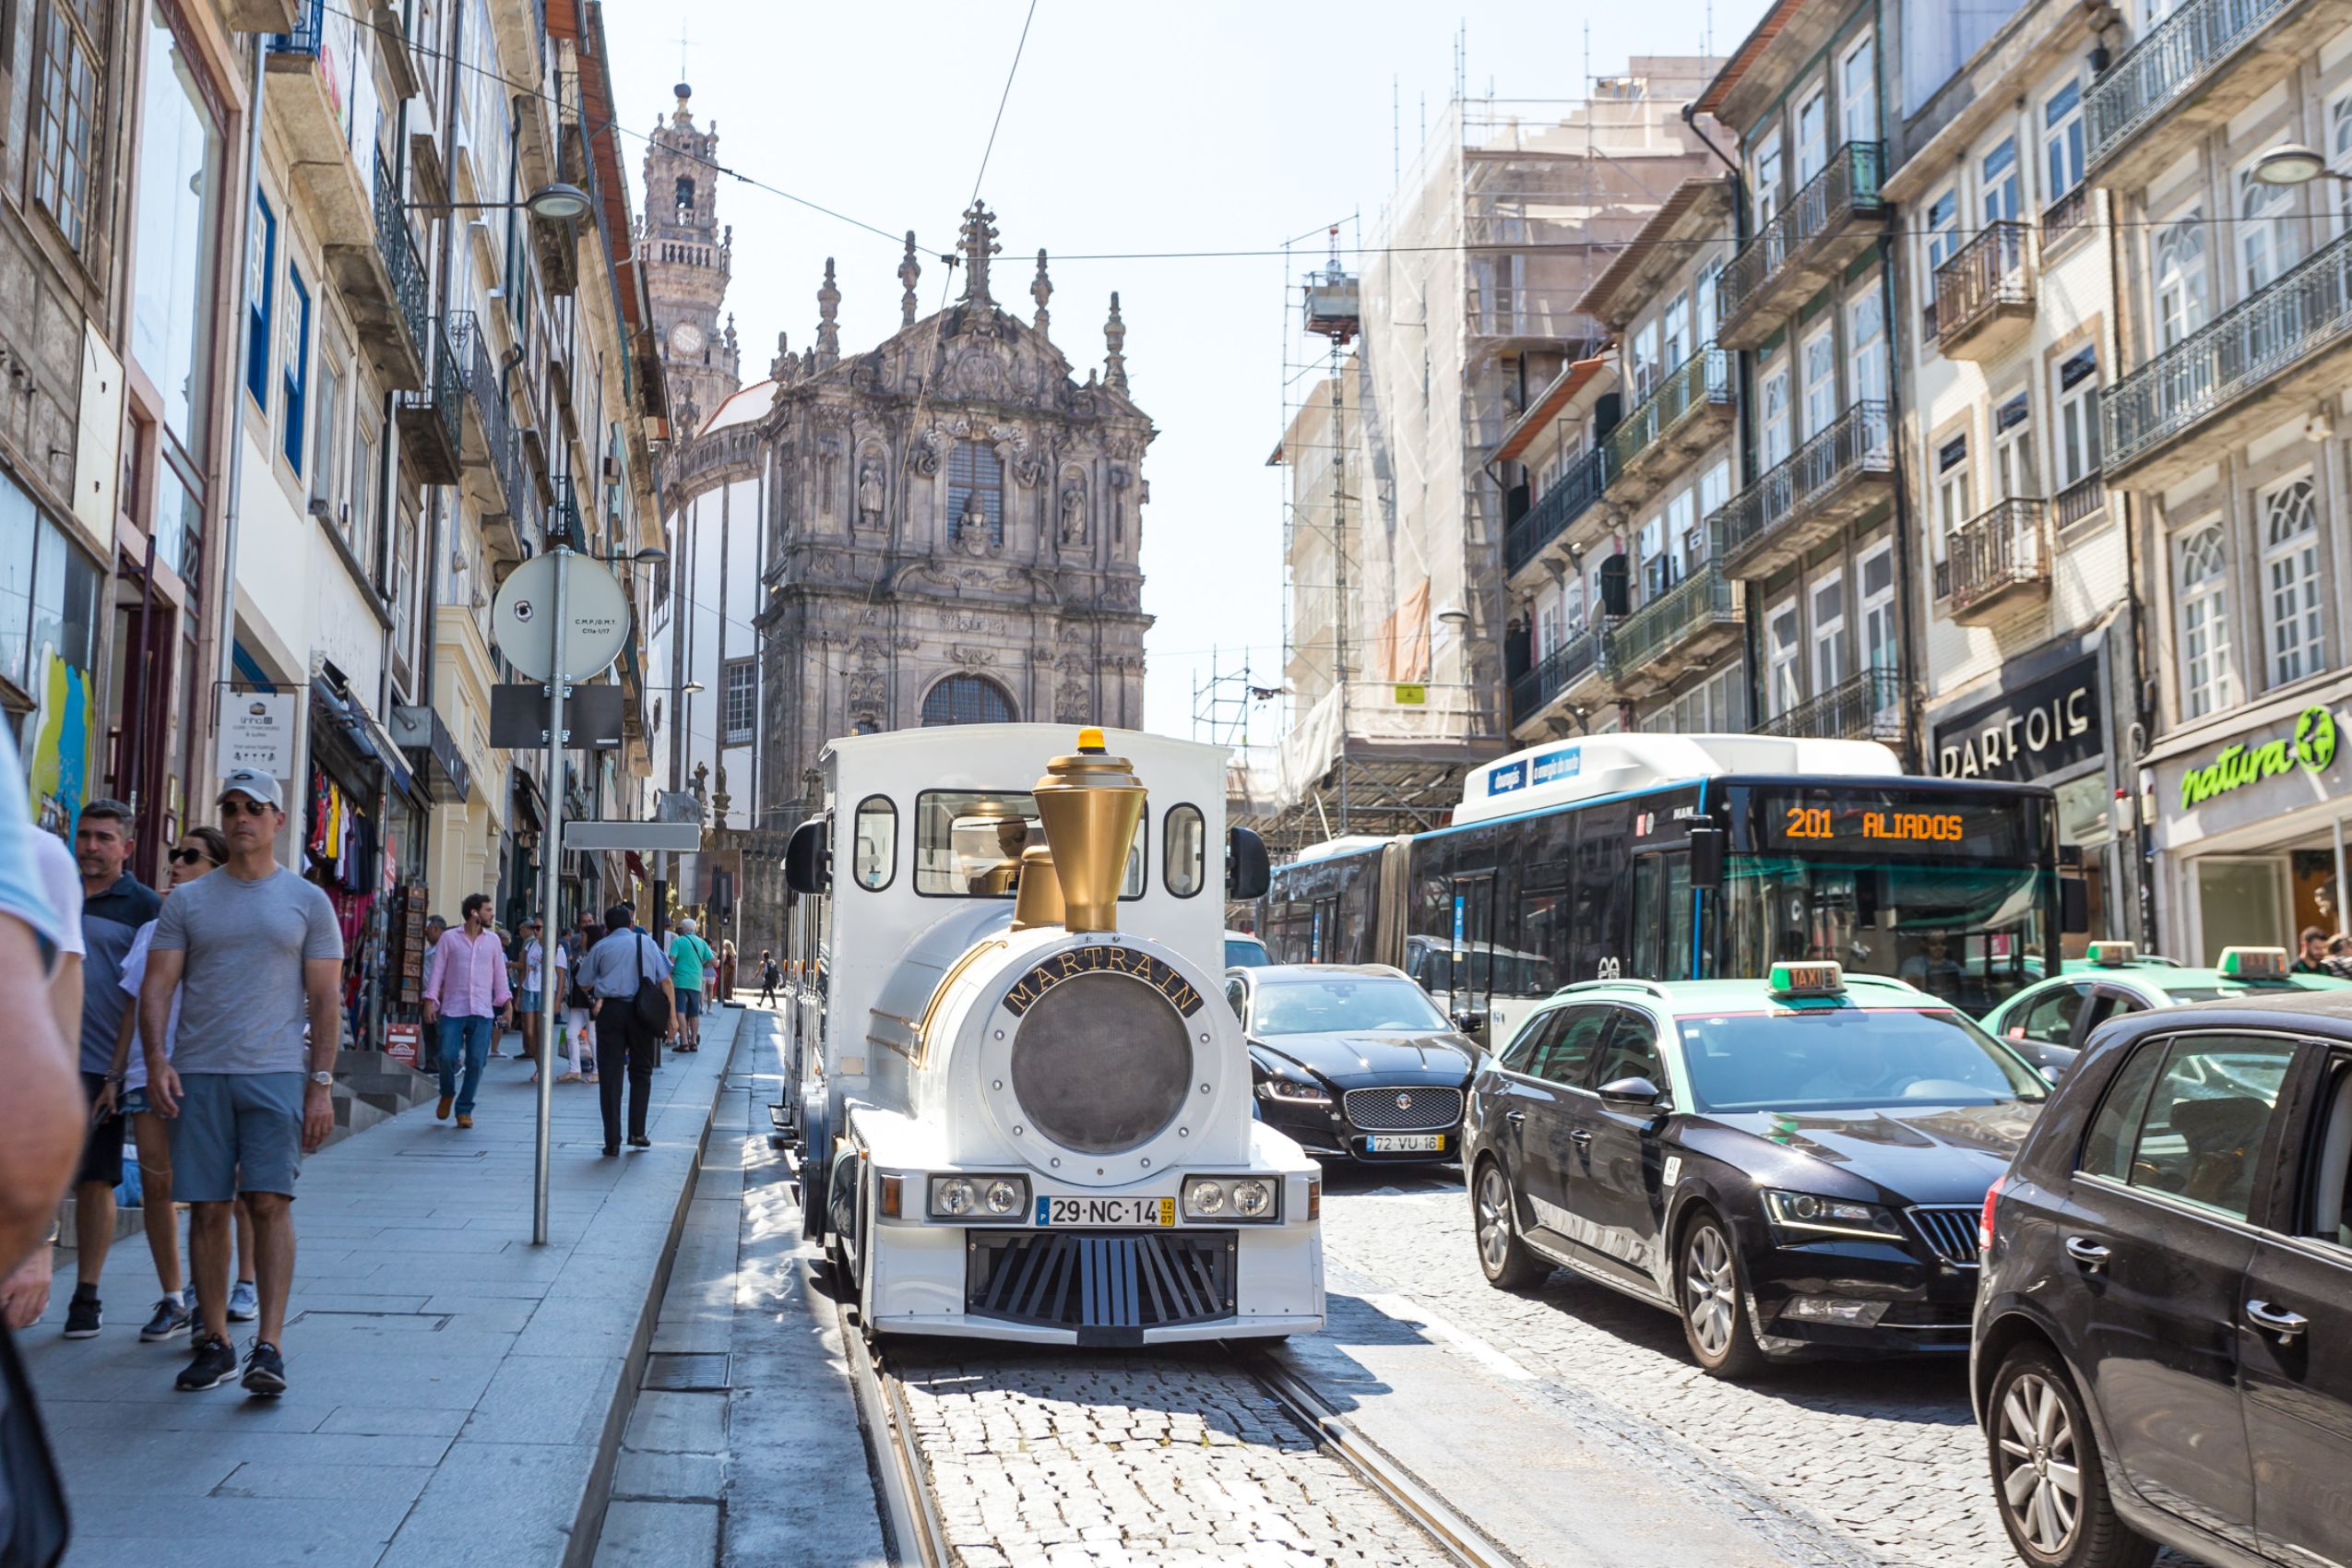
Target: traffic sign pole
[[550, 1001]]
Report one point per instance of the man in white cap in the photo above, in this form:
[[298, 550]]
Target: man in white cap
[[690, 958], [255, 957]]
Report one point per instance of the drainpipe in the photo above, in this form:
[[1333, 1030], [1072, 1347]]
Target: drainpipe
[[2128, 518], [1752, 624], [225, 667]]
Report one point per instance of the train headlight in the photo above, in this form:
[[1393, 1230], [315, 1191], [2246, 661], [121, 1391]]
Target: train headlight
[[1251, 1199], [1247, 1199], [1205, 1199], [951, 1196], [1006, 1197]]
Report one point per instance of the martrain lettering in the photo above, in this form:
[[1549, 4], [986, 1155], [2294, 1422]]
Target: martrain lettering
[[1102, 958]]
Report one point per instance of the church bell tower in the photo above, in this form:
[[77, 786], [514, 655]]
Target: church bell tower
[[687, 256]]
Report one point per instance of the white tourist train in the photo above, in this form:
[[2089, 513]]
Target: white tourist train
[[1027, 1115]]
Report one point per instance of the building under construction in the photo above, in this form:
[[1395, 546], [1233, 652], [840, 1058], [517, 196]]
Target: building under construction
[[1462, 308]]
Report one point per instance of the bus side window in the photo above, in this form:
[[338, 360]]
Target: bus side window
[[1649, 920]]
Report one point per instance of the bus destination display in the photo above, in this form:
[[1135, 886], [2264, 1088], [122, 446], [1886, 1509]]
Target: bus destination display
[[1883, 821]]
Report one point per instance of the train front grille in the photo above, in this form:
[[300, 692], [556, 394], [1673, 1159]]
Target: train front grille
[[1109, 1286]]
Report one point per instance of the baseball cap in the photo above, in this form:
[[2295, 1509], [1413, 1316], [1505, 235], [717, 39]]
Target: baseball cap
[[254, 784]]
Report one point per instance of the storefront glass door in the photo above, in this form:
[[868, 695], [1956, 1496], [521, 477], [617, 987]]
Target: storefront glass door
[[2239, 904]]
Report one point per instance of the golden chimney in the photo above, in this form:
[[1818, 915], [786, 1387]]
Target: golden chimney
[[1039, 900], [1091, 805]]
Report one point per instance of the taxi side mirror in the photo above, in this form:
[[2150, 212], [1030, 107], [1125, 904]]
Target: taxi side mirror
[[805, 869], [1631, 1091], [1248, 872]]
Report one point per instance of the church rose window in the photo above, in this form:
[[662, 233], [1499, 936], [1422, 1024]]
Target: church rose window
[[968, 699], [975, 474]]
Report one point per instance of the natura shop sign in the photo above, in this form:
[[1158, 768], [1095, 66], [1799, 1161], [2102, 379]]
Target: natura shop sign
[[2311, 747], [2028, 732]]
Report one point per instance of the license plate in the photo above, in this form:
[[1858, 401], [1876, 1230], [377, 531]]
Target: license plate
[[1113, 1212], [1406, 1143]]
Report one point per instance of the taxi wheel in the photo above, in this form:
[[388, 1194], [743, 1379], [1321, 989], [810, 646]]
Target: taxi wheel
[[1508, 1262], [1709, 1298], [2046, 1470]]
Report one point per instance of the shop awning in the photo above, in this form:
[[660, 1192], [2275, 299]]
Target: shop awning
[[530, 806], [358, 727], [433, 751]]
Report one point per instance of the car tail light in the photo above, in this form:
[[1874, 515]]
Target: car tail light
[[1984, 1226]]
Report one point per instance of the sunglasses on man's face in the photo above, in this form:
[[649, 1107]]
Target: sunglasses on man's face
[[232, 805], [189, 857]]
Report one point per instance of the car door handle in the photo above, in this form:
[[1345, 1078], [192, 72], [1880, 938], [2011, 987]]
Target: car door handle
[[2276, 1320], [1515, 1116], [2090, 1254], [1580, 1137]]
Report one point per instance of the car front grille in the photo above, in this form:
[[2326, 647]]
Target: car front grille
[[1404, 1109], [1110, 1286], [1950, 1230]]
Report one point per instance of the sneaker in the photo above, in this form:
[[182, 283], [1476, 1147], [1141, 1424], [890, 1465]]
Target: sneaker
[[215, 1363], [170, 1318], [265, 1370], [244, 1304], [83, 1320]]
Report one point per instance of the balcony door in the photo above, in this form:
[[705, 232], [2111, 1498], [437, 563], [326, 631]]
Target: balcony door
[[1858, 92], [1776, 417], [1783, 682], [2003, 197], [1828, 594], [1874, 571], [1812, 137], [2013, 450], [1820, 379]]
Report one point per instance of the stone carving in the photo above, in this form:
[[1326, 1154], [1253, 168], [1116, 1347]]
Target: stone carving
[[1041, 290], [970, 658], [870, 494], [972, 533], [923, 456], [909, 272], [978, 373], [1072, 702], [1073, 514]]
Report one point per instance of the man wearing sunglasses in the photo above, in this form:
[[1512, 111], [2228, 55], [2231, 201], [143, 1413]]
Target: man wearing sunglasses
[[255, 957]]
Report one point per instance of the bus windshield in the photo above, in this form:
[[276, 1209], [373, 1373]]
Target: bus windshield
[[1951, 893]]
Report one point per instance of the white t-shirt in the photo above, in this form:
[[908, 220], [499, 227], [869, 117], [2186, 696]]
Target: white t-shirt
[[134, 977], [532, 954], [61, 879]]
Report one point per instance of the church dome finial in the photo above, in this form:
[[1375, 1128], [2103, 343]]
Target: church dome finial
[[1114, 343], [980, 243], [1041, 290], [909, 272], [829, 330]]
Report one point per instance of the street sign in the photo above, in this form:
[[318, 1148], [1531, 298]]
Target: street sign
[[593, 716], [679, 838], [595, 608]]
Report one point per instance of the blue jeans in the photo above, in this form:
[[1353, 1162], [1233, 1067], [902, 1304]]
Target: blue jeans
[[470, 1036]]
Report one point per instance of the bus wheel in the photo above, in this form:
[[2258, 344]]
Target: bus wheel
[[1508, 1262]]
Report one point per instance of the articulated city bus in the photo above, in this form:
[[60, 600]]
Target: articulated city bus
[[1674, 857]]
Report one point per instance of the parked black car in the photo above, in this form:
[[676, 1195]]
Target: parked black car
[[1353, 1060], [2163, 1345]]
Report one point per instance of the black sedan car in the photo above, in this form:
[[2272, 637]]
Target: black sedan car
[[1793, 1166], [1353, 1060], [2164, 1340]]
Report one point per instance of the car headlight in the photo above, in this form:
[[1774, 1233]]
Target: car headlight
[[1245, 1198], [1290, 1091], [1806, 1216]]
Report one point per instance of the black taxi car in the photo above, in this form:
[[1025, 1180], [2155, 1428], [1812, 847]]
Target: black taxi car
[[2163, 1346], [1795, 1166]]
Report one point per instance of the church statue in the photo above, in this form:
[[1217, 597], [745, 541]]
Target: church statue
[[870, 495], [972, 525], [1073, 515]]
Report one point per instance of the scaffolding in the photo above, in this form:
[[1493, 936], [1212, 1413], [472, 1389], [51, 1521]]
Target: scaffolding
[[1398, 378]]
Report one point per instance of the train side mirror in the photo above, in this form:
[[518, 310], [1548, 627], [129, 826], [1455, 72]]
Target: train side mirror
[[805, 857], [1248, 872], [2073, 906], [1706, 855]]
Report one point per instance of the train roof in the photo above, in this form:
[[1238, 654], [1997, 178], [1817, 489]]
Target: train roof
[[1562, 772]]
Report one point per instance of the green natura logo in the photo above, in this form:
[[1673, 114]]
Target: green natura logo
[[2237, 767]]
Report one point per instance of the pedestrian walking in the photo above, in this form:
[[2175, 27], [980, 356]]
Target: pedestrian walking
[[2339, 956], [530, 993], [24, 1295], [466, 994], [620, 972], [770, 973], [254, 956], [690, 962], [570, 954], [114, 905], [2311, 959], [726, 992]]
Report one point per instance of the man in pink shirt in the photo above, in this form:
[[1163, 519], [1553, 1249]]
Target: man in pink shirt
[[466, 991]]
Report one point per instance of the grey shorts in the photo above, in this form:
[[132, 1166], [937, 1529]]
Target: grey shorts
[[236, 1132]]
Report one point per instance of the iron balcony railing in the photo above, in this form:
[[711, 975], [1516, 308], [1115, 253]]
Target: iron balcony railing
[[1998, 549], [1864, 707], [2064, 216], [1845, 189], [1561, 505], [2307, 308], [1704, 377], [1705, 597], [2167, 64], [308, 33], [1575, 658], [1993, 270], [1856, 441], [499, 442], [444, 388], [410, 290], [2080, 500]]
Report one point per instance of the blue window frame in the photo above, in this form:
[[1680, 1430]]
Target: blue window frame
[[297, 374], [261, 279]]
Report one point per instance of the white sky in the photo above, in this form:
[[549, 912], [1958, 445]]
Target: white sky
[[1130, 128]]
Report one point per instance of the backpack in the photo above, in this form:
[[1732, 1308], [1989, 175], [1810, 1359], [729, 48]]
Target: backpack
[[651, 1002]]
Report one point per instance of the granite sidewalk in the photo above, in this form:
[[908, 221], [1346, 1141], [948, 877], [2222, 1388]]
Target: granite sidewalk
[[457, 1394]]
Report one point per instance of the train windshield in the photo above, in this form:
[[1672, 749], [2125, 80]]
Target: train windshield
[[968, 844], [1953, 893]]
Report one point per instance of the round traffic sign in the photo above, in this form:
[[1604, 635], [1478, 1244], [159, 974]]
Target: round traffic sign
[[596, 614]]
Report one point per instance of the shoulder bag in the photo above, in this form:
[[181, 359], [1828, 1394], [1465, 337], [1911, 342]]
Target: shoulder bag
[[652, 1003]]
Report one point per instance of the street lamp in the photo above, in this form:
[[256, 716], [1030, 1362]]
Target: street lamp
[[556, 202], [2292, 163], [693, 687]]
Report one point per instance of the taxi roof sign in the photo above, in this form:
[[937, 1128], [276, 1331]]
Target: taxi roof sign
[[1806, 980], [2114, 954], [2253, 963]]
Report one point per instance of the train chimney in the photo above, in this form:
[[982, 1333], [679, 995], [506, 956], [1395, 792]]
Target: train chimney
[[1091, 804], [1039, 900]]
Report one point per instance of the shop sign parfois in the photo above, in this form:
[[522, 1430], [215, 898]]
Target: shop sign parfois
[[1101, 958], [2312, 747], [2029, 732]]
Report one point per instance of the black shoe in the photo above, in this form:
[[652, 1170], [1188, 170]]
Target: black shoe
[[83, 1320], [612, 1151], [215, 1363], [639, 1140], [265, 1370], [170, 1318]]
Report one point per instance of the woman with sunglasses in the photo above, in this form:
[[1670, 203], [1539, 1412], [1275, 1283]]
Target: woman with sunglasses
[[200, 851]]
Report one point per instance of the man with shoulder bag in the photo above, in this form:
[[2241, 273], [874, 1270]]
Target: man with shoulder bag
[[628, 984]]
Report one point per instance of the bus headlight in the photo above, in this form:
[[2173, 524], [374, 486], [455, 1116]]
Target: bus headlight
[[1007, 1196], [951, 1196], [1246, 1198]]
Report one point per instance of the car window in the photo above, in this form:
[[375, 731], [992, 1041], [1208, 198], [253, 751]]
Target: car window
[[1237, 991], [1567, 1058], [1344, 1002], [1632, 1051], [2108, 1150], [2329, 1216], [1536, 1031], [2202, 1133], [1849, 1059], [2049, 1017], [1246, 952]]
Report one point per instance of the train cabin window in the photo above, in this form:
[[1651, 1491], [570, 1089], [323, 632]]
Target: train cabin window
[[1183, 844], [876, 855], [969, 843]]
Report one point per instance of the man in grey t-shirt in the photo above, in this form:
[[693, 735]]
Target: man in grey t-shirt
[[257, 956]]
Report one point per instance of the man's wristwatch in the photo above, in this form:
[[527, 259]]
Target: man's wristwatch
[[323, 1079]]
